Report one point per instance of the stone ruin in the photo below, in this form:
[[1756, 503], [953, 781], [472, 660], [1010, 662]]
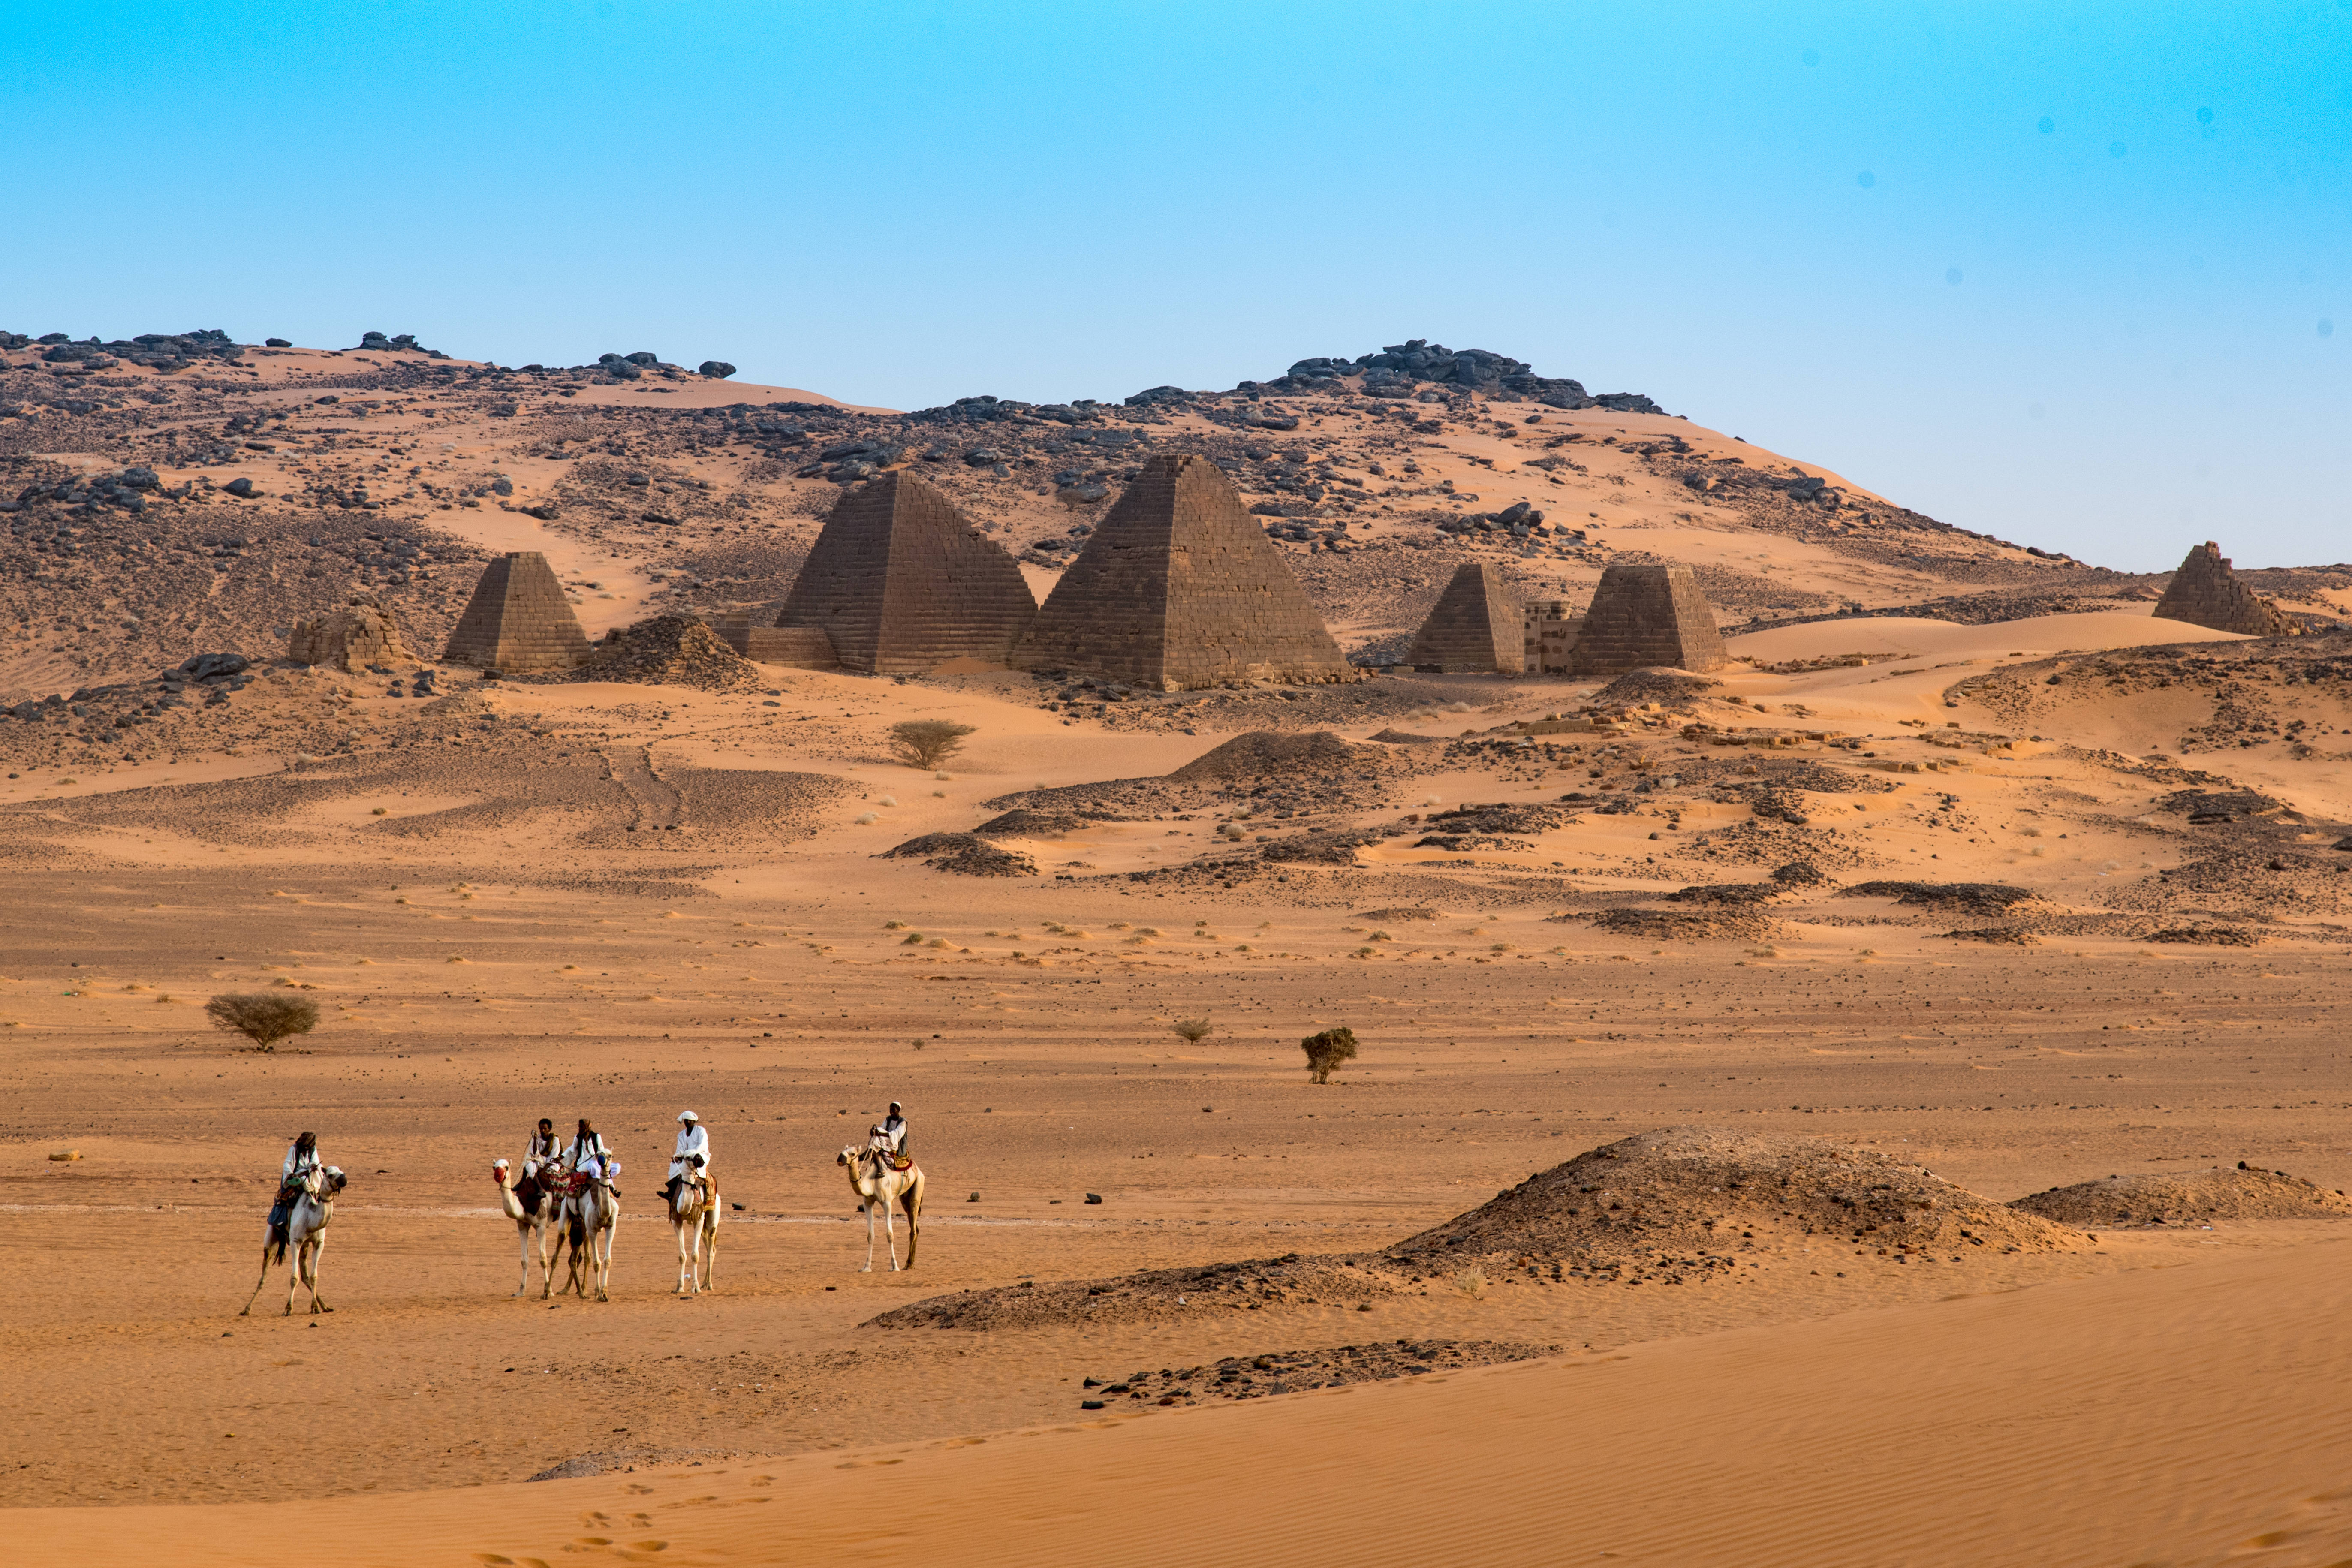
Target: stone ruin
[[748, 633], [518, 619], [1547, 637], [2206, 593], [360, 633], [1644, 615], [898, 582], [1475, 627], [1179, 589]]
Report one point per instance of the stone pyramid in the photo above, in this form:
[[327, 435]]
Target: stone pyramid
[[1475, 627], [902, 583], [362, 633], [518, 619], [2206, 593], [1644, 615], [1179, 589]]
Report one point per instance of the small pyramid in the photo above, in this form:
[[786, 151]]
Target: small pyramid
[[1645, 615], [902, 583], [362, 633], [1179, 589], [2206, 593], [518, 619], [1475, 627]]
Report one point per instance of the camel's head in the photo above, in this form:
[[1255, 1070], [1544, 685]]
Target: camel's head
[[853, 1156], [331, 1180], [499, 1172]]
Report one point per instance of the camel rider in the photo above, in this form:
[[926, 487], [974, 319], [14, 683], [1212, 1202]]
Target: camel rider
[[540, 1151], [293, 1177], [589, 1157], [691, 1158], [892, 1135]]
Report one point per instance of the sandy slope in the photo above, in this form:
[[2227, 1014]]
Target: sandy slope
[[2052, 1426]]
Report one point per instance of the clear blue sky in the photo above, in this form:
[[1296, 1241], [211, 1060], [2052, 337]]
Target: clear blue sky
[[2077, 275]]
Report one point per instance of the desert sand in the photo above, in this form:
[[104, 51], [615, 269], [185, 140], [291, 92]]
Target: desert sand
[[1994, 906]]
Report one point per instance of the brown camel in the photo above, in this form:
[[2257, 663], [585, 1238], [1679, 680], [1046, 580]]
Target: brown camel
[[531, 1203], [879, 1187]]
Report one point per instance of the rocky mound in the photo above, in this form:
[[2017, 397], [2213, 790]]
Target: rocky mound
[[1266, 753], [1288, 1372], [2010, 936], [2207, 936], [1658, 685], [1395, 737], [965, 854], [1157, 1295], [1950, 897], [668, 650], [1026, 823], [1688, 1187], [2188, 1197], [1668, 925]]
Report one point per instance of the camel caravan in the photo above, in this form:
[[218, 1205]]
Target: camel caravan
[[568, 1197]]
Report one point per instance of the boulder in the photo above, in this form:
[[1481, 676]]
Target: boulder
[[717, 368], [240, 487]]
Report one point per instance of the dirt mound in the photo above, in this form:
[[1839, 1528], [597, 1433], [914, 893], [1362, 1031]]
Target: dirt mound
[[1685, 1188], [1321, 847], [966, 854], [2203, 806], [2010, 936], [1264, 752], [1950, 897], [1400, 738], [2188, 1197], [1667, 925], [1288, 1372], [1658, 685], [2207, 936], [667, 650], [1026, 823], [2253, 883], [1157, 1295], [1402, 913]]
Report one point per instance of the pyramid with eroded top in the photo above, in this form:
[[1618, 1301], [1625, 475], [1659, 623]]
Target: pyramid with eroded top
[[518, 619], [1179, 589]]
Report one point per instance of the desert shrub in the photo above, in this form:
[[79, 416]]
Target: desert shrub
[[927, 743], [1194, 1030], [263, 1019], [1328, 1050]]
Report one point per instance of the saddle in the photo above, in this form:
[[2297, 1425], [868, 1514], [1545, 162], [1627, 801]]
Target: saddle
[[902, 1162]]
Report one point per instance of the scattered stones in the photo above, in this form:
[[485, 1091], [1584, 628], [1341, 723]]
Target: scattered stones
[[965, 854], [2189, 1197]]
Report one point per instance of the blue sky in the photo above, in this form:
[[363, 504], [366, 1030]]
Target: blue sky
[[2070, 274]]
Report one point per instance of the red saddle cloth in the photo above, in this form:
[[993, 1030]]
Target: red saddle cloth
[[902, 1162]]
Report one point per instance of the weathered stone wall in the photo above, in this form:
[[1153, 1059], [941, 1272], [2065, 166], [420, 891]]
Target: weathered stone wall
[[1646, 615], [518, 619], [1547, 637], [362, 633], [2206, 593], [1475, 627], [901, 583], [1179, 589]]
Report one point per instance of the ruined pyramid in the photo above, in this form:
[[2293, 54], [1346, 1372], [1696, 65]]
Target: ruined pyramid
[[902, 583], [518, 619], [1475, 627], [1179, 589], [2206, 593], [1644, 615], [362, 633]]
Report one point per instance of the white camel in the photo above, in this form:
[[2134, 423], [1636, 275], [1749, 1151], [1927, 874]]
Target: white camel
[[591, 1212], [694, 1215], [532, 1205], [879, 1187], [306, 1235]]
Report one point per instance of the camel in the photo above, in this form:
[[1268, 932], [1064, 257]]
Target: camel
[[693, 1214], [532, 1205], [881, 1188], [591, 1212], [306, 1229]]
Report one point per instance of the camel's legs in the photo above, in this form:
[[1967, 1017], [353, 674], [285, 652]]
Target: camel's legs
[[710, 1265], [914, 1202], [317, 1255], [869, 1239], [294, 1267], [686, 1229], [603, 1254], [247, 1310], [522, 1233], [889, 1230]]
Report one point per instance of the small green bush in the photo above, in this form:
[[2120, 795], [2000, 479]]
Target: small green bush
[[262, 1018], [1328, 1050]]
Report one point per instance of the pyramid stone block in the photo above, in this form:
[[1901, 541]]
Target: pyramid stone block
[[1644, 615], [1179, 589], [796, 647], [518, 619], [901, 583], [1549, 636], [2206, 593], [1475, 627], [362, 633]]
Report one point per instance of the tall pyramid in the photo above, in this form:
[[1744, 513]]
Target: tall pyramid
[[518, 619], [1179, 589], [2206, 593], [1475, 627], [1644, 615], [902, 583]]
